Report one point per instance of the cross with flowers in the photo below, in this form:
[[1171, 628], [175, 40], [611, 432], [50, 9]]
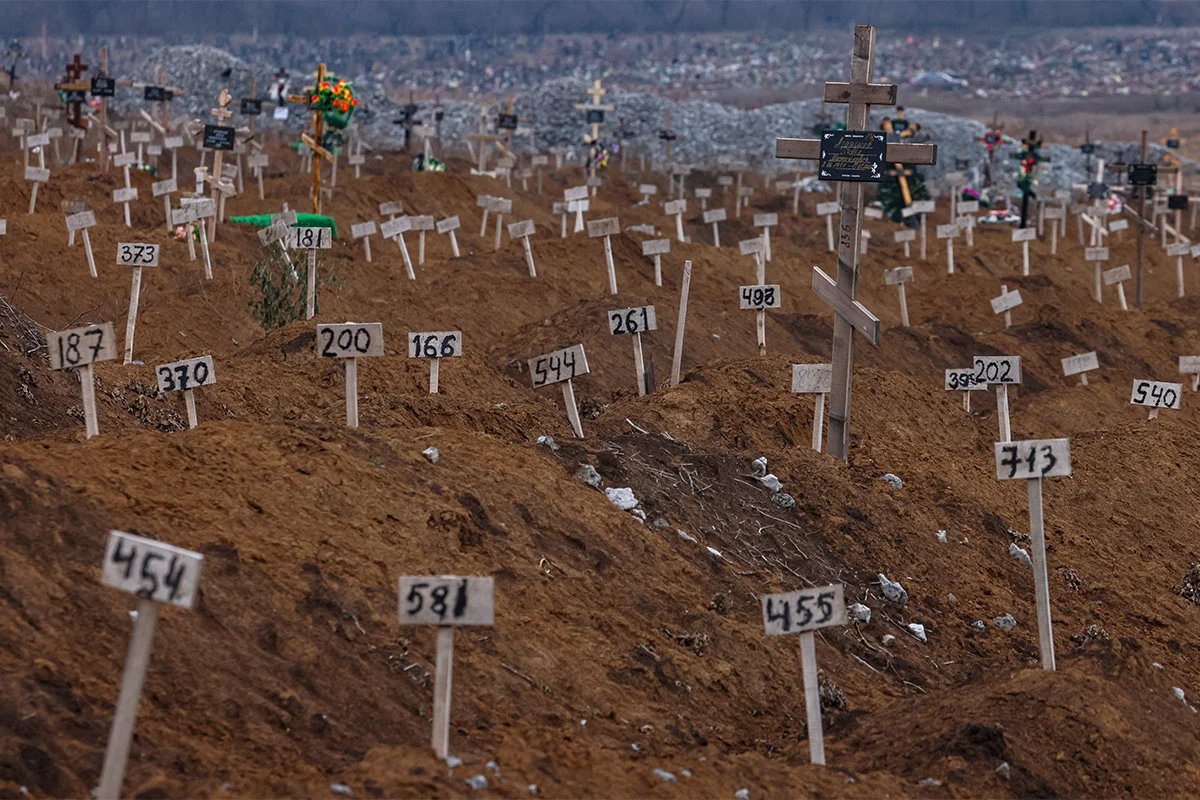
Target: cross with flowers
[[326, 97]]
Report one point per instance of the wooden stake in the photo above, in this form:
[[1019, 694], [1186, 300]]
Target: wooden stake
[[572, 410], [681, 322], [87, 248], [639, 363], [434, 374], [351, 385], [189, 401], [310, 298], [87, 385], [1002, 412], [819, 417], [116, 754], [443, 681], [135, 293], [812, 698], [1041, 582]]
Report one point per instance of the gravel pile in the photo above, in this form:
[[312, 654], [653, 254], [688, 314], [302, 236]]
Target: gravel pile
[[706, 130]]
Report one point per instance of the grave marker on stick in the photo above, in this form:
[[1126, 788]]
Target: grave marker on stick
[[350, 341], [80, 348]]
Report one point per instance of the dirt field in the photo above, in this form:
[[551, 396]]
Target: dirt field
[[620, 646]]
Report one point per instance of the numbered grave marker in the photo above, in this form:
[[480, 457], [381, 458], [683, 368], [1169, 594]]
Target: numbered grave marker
[[900, 277], [804, 612], [714, 217], [157, 573], [364, 231], [676, 208], [948, 232], [766, 222], [395, 228], [1006, 302], [523, 230], [165, 189], [312, 240], [448, 226], [1031, 461], [758, 298], [434, 346], [827, 210], [1155, 395], [1001, 372], [561, 366], [499, 206], [1080, 365], [606, 228], [656, 248], [1098, 255], [1178, 251], [350, 341], [964, 380], [1190, 365], [635, 321], [421, 224], [1118, 276], [1024, 236], [391, 209], [186, 376], [446, 601], [136, 255], [80, 222], [39, 174], [814, 379], [703, 194], [80, 348], [905, 237]]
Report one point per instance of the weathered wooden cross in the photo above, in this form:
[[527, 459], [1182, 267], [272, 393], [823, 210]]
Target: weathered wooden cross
[[314, 141], [596, 91], [859, 94], [75, 88]]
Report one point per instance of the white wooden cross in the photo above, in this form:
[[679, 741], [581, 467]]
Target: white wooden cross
[[596, 92], [221, 113], [851, 315]]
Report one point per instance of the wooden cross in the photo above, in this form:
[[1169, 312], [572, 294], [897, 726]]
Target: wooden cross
[[859, 95], [596, 92], [314, 141], [902, 174], [75, 71]]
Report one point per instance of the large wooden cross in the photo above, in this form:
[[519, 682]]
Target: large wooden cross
[[859, 94], [314, 141], [75, 71], [596, 92]]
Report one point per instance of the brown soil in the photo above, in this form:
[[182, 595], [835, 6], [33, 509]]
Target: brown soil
[[619, 646]]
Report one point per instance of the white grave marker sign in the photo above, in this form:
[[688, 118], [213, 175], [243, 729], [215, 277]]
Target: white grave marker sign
[[434, 345], [814, 379], [561, 366], [350, 341]]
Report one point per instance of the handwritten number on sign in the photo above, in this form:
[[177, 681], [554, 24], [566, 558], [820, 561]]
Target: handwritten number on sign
[[183, 376], [136, 254], [439, 598], [347, 339], [151, 579], [628, 322], [1014, 458], [430, 348], [1160, 396], [783, 611], [759, 295], [992, 371], [68, 346]]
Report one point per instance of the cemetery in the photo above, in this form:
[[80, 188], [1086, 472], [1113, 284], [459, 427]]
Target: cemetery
[[434, 451]]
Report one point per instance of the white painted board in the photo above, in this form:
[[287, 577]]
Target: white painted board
[[558, 366], [1033, 458], [632, 320], [812, 378], [137, 254], [652, 247], [898, 275], [804, 610], [1156, 394], [78, 347], [759, 296], [1024, 234], [187, 374], [434, 344], [1084, 362], [151, 570], [350, 340], [997, 369], [446, 600]]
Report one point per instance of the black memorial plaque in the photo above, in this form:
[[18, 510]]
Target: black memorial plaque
[[104, 87], [1177, 202], [251, 106], [852, 156], [595, 115], [156, 94], [506, 122], [218, 137], [1143, 174]]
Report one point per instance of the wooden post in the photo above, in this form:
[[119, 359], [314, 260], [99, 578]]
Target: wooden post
[[656, 248], [87, 383], [900, 276], [351, 388], [681, 322], [1041, 581], [812, 698], [606, 228], [116, 754], [1141, 244], [443, 682], [815, 379], [449, 225]]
